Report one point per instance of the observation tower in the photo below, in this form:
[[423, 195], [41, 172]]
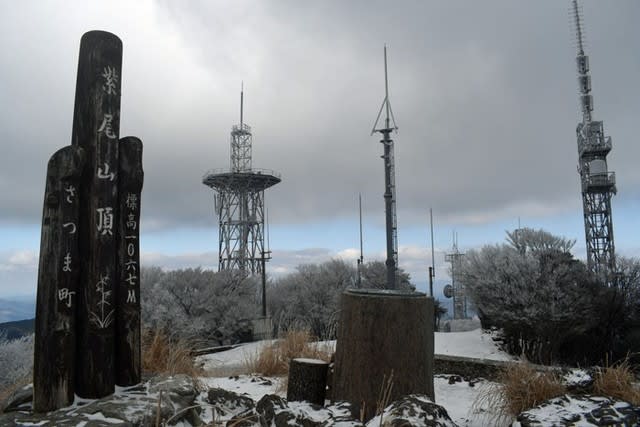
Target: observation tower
[[239, 205]]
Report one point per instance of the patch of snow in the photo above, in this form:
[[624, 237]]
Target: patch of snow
[[576, 377], [234, 359], [475, 344], [98, 416], [311, 361], [41, 423], [554, 413], [248, 385], [459, 398], [304, 408]]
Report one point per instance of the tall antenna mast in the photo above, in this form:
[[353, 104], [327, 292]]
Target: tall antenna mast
[[432, 269], [389, 181], [598, 185], [361, 259]]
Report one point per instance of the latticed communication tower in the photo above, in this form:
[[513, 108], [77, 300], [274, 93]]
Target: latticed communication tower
[[598, 184], [239, 205], [456, 289]]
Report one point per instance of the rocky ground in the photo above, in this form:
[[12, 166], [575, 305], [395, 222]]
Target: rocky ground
[[184, 401]]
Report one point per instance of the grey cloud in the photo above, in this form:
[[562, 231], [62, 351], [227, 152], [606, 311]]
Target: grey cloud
[[484, 94]]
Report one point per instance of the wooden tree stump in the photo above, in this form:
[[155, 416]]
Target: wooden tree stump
[[307, 380], [54, 355], [383, 333]]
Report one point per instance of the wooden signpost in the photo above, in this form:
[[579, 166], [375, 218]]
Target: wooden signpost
[[88, 279], [130, 179], [96, 125], [53, 371]]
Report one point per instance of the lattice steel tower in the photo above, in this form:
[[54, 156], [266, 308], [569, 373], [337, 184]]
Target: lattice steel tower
[[598, 184], [239, 204], [456, 290]]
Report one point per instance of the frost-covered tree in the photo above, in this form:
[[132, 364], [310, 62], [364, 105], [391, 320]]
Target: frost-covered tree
[[310, 297], [374, 276], [198, 303], [16, 359], [541, 297], [530, 240], [623, 308]]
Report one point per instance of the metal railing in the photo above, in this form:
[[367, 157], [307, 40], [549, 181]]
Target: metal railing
[[606, 179], [254, 171]]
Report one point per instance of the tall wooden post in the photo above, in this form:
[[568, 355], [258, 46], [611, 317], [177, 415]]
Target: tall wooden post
[[54, 356], [130, 179], [96, 125], [383, 333]]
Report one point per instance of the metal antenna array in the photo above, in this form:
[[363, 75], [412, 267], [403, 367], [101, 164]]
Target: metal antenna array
[[456, 290], [361, 259], [432, 269], [239, 204], [389, 181], [597, 183]]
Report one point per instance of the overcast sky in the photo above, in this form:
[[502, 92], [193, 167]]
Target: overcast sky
[[484, 93]]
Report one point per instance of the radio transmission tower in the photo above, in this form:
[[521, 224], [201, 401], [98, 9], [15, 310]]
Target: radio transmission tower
[[239, 205], [389, 181], [456, 289], [597, 183]]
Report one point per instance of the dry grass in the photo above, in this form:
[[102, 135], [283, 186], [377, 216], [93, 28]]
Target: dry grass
[[162, 355], [617, 381], [519, 387], [12, 388], [273, 360]]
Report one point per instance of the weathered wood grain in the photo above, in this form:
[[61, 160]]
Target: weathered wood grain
[[54, 355], [307, 380], [383, 332], [96, 129], [130, 181]]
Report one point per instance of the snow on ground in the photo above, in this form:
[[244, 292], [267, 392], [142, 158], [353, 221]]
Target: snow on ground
[[474, 344], [457, 398], [249, 385]]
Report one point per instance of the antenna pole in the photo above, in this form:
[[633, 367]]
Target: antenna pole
[[432, 270], [389, 182], [264, 266], [361, 259], [241, 103], [386, 88]]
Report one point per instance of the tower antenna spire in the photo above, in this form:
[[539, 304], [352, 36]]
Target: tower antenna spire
[[386, 104], [578, 23], [241, 103]]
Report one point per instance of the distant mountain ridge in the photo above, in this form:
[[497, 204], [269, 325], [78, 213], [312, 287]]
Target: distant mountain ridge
[[17, 329], [19, 308]]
